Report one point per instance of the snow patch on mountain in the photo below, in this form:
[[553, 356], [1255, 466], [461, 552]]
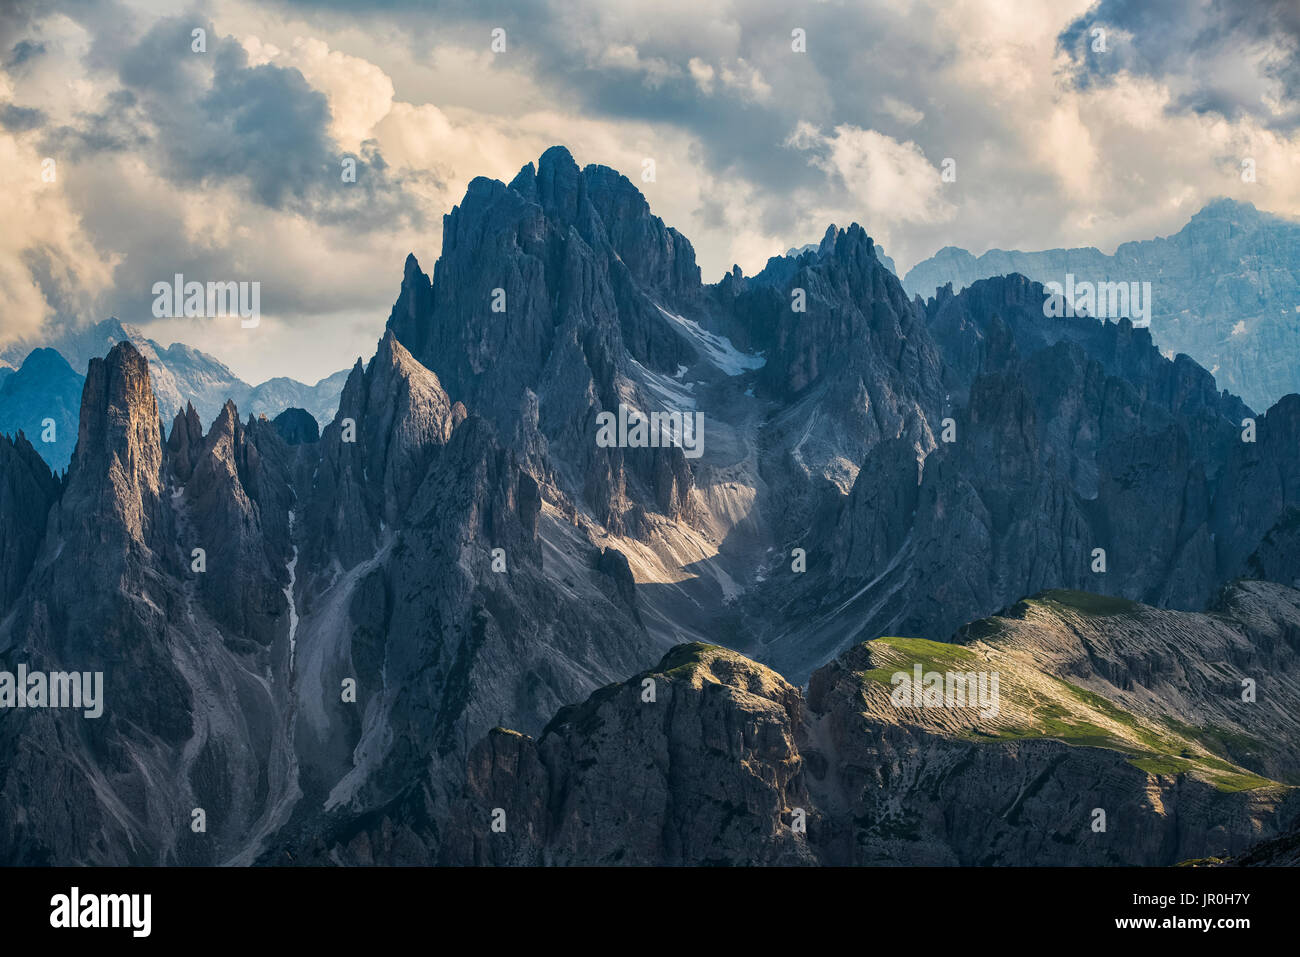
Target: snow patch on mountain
[[717, 349]]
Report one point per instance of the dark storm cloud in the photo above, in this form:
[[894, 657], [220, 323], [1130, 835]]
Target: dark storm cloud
[[15, 17], [209, 118], [1199, 51], [854, 61], [218, 119], [117, 128], [20, 119], [23, 51]]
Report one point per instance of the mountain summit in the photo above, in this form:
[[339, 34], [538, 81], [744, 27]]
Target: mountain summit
[[468, 593]]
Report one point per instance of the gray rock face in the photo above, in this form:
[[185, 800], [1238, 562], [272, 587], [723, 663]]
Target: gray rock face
[[27, 490], [297, 427], [236, 504], [612, 562], [106, 594], [393, 416], [707, 772], [1256, 521], [583, 271], [1092, 717], [243, 658], [116, 472], [857, 368], [454, 552], [185, 443], [1067, 437], [423, 581], [1224, 290]]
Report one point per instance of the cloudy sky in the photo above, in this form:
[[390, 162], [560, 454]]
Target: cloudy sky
[[225, 164]]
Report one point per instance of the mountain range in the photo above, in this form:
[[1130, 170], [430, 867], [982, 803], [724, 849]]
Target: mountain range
[[180, 375], [453, 626], [1225, 290]]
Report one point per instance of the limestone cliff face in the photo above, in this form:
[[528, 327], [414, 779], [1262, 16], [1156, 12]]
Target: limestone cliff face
[[393, 418], [115, 480], [693, 762], [1060, 438], [1257, 521], [184, 443], [406, 563], [1104, 704], [235, 507], [847, 355], [187, 718], [27, 491], [1119, 736], [424, 583], [935, 460], [310, 634], [860, 346], [582, 270]]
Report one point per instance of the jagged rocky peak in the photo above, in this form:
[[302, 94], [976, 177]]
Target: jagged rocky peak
[[995, 323], [604, 205], [405, 411], [1226, 208], [119, 414], [393, 417], [225, 453], [414, 304], [116, 471], [848, 356], [237, 502], [517, 239], [658, 256], [1063, 438], [557, 287], [297, 427], [692, 762], [401, 403], [185, 443], [841, 312], [191, 692]]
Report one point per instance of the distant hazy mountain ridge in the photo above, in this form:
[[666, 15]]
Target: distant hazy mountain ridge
[[180, 374], [1226, 291]]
